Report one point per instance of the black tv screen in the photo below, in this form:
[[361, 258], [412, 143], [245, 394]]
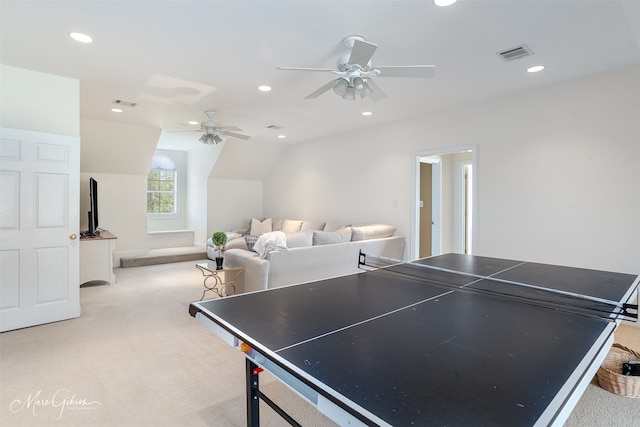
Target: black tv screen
[[93, 213]]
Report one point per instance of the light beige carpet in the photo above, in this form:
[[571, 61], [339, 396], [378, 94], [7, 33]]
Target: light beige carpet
[[136, 358]]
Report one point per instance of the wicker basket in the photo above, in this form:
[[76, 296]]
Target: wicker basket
[[610, 373]]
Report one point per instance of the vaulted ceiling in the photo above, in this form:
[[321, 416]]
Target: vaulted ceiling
[[176, 59]]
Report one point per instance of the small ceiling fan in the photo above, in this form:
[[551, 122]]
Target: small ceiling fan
[[212, 130], [356, 72]]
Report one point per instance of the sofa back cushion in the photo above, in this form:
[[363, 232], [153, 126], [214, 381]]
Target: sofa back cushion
[[329, 237], [300, 239], [312, 225], [258, 228], [333, 226], [373, 231], [290, 226], [276, 224]]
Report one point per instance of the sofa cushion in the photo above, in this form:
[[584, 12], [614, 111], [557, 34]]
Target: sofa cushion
[[231, 241], [276, 224], [236, 243], [329, 237], [300, 239], [290, 226], [373, 231], [333, 226], [312, 225], [258, 228]]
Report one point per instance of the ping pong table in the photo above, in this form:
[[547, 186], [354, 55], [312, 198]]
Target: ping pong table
[[447, 340]]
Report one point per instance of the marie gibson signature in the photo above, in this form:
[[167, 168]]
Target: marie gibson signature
[[60, 400]]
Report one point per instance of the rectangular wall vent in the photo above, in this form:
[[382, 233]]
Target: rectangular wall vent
[[123, 103], [515, 53]]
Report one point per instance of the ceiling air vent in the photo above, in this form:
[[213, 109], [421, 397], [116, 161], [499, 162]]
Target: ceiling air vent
[[123, 103], [515, 53], [274, 127]]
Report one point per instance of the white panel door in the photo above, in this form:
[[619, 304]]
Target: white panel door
[[39, 205]]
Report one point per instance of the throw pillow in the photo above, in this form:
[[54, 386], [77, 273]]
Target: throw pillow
[[329, 237], [250, 241], [300, 239], [258, 228], [374, 231], [290, 226]]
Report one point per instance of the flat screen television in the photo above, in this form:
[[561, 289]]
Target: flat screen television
[[93, 212]]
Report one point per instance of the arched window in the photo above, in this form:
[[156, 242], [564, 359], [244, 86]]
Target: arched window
[[162, 185]]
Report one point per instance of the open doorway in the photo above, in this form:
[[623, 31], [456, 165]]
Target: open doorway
[[445, 196]]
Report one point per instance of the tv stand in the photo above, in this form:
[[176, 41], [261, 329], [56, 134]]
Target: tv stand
[[89, 235], [96, 257]]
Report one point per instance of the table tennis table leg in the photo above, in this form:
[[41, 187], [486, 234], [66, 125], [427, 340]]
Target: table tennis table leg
[[253, 401], [254, 395]]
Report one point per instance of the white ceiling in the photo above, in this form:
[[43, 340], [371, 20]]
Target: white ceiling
[[176, 59]]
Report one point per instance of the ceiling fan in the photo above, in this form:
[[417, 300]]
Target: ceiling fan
[[212, 130], [356, 72]]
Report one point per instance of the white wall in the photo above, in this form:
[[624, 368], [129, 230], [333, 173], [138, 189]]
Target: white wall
[[122, 209], [232, 203], [200, 161], [118, 156], [113, 147], [39, 102], [556, 170], [350, 178]]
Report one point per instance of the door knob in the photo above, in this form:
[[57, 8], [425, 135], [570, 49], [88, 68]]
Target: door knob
[[73, 237]]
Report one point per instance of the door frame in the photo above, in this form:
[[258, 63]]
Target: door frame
[[414, 239]]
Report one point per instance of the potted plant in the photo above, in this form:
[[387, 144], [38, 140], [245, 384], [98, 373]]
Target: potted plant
[[219, 238]]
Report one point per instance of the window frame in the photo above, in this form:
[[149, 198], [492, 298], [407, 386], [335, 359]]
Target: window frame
[[176, 189]]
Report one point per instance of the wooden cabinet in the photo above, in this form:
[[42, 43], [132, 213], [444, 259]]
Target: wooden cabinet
[[96, 258]]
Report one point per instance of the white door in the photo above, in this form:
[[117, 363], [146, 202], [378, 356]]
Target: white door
[[39, 192]]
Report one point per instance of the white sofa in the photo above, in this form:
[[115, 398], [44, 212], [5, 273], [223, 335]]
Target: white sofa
[[315, 251]]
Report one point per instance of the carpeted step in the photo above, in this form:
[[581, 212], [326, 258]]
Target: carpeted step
[[160, 259]]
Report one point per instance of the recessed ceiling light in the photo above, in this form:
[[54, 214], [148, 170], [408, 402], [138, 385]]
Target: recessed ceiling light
[[193, 122], [264, 88], [116, 110], [367, 113], [535, 69], [444, 2], [79, 37], [282, 136]]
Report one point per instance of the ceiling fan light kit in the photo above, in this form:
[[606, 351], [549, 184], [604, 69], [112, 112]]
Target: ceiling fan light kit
[[356, 72], [209, 138]]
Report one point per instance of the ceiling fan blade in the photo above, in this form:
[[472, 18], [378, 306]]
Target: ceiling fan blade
[[423, 71], [233, 135], [376, 94], [186, 130], [362, 52], [322, 90], [305, 69], [236, 128]]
